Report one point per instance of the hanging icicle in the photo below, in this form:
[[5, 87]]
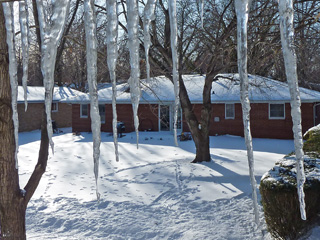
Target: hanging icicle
[[24, 28], [9, 23], [134, 81], [148, 17], [112, 55], [242, 10], [91, 46], [175, 74], [202, 7], [287, 40], [51, 33]]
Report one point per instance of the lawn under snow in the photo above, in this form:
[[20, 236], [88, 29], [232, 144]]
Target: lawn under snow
[[152, 193]]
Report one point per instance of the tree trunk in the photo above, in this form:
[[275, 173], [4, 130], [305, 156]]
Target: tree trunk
[[13, 201], [199, 129], [12, 207]]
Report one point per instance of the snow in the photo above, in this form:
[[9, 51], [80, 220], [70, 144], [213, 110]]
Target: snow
[[91, 57], [133, 45], [36, 94], [225, 89], [51, 31], [152, 193], [112, 55], [9, 24], [24, 26], [174, 51], [242, 11], [148, 16], [286, 13]]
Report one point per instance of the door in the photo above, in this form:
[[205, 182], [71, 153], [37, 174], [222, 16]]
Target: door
[[164, 117]]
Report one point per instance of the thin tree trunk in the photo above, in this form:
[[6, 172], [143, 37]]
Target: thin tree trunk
[[12, 208], [13, 200]]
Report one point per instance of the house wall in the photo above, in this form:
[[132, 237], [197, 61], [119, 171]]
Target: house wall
[[148, 118], [261, 125], [31, 119]]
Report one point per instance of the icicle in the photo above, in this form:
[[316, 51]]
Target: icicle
[[287, 39], [91, 46], [112, 55], [242, 10], [148, 17], [9, 23], [24, 28], [134, 81], [51, 33], [202, 7], [174, 43]]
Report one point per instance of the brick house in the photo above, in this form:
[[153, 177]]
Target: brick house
[[270, 106], [61, 111]]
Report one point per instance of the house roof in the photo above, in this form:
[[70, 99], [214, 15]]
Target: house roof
[[225, 89], [36, 94]]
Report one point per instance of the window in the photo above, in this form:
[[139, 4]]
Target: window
[[229, 111], [83, 110], [102, 112], [276, 111], [54, 107]]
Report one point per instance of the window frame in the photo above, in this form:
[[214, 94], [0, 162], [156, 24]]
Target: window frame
[[277, 118], [81, 112], [225, 111], [56, 107]]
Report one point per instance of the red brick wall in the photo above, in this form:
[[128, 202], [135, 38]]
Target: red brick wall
[[148, 118], [31, 119], [261, 125]]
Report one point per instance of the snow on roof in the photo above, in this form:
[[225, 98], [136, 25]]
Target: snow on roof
[[226, 88], [36, 94]]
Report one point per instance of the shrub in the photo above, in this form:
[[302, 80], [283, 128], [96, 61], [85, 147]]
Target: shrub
[[280, 202]]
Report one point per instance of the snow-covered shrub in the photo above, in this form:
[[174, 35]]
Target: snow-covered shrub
[[278, 190], [312, 146]]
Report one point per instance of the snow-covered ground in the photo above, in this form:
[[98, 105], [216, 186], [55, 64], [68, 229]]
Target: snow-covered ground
[[151, 193]]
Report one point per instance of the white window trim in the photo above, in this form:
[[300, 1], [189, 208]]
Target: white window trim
[[57, 109], [83, 116], [284, 112], [225, 111]]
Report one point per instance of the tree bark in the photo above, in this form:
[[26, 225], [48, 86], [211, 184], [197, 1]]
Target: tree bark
[[199, 129], [12, 207], [13, 200]]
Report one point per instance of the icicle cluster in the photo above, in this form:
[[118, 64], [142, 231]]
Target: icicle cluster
[[9, 23], [112, 51], [91, 46], [287, 39], [134, 81], [175, 75], [51, 33], [242, 11], [24, 28], [148, 17]]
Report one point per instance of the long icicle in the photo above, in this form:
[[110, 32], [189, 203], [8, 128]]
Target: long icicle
[[174, 44], [202, 8], [51, 33], [148, 17], [134, 81], [24, 28], [91, 46], [287, 40], [9, 23], [112, 55], [242, 10]]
